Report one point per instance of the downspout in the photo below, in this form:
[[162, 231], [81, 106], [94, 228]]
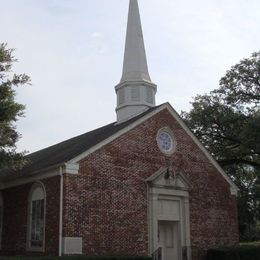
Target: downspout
[[149, 218], [61, 212]]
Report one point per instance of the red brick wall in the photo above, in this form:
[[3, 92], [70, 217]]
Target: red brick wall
[[106, 203], [16, 213]]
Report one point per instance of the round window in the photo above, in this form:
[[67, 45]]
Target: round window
[[165, 142]]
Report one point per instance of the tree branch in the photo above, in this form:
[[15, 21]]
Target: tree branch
[[227, 162]]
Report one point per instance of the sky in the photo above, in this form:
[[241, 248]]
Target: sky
[[73, 52]]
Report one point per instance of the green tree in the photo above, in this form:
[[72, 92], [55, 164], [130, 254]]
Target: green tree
[[10, 110], [227, 122]]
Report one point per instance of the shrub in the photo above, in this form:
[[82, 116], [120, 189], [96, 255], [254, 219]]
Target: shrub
[[78, 257], [244, 252]]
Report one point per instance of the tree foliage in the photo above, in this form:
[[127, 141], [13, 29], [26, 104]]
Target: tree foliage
[[227, 122], [241, 84], [10, 110]]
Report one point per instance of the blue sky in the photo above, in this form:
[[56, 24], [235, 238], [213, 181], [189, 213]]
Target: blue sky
[[73, 52]]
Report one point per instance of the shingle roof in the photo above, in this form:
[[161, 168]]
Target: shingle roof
[[67, 150]]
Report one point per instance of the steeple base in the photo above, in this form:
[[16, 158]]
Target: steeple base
[[133, 98], [127, 112]]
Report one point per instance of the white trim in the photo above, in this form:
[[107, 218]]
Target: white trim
[[133, 104], [233, 188], [132, 116], [29, 248], [152, 179], [25, 180], [61, 213], [134, 83], [69, 168], [155, 175], [234, 191], [149, 218], [157, 194], [169, 132], [116, 135]]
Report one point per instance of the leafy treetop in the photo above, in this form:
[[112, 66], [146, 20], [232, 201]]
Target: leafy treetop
[[10, 110]]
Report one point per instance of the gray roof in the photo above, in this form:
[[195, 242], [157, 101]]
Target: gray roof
[[63, 152]]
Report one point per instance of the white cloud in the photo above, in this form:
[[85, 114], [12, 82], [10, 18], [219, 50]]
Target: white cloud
[[96, 35]]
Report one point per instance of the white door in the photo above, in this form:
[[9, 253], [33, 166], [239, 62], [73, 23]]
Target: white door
[[168, 240]]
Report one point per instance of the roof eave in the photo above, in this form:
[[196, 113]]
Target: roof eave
[[48, 172]]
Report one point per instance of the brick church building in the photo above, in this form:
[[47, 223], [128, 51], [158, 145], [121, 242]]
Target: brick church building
[[143, 185]]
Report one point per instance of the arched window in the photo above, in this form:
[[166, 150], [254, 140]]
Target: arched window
[[36, 227]]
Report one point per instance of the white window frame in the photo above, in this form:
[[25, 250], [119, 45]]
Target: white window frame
[[29, 226], [168, 131]]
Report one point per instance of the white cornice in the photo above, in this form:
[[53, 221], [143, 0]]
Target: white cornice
[[136, 104], [29, 179], [136, 83], [68, 168]]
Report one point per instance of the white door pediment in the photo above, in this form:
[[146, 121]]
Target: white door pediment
[[168, 178]]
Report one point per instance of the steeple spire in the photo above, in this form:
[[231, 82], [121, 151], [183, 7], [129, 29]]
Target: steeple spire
[[135, 92], [135, 63]]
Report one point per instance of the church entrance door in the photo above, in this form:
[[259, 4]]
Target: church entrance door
[[168, 239]]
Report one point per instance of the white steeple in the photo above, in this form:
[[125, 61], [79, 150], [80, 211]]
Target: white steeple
[[135, 92]]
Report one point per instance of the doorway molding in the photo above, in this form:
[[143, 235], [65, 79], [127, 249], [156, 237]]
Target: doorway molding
[[168, 200]]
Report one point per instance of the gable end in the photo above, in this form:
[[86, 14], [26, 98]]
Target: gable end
[[233, 188]]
